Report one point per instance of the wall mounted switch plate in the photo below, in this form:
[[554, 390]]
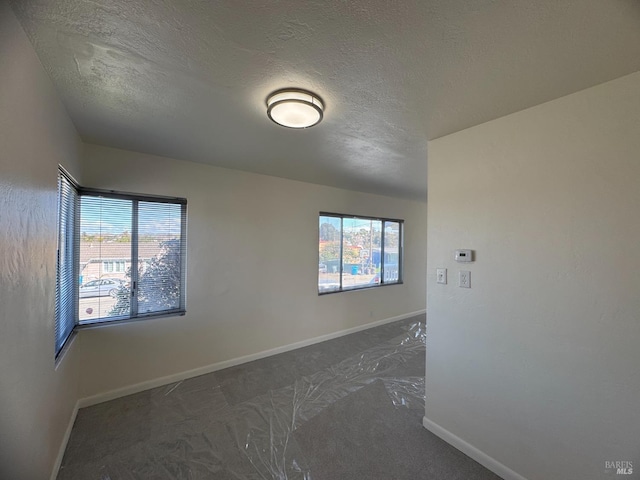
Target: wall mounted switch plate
[[441, 275]]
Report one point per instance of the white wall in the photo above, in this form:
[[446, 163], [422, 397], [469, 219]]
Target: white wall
[[36, 400], [538, 364], [252, 269]]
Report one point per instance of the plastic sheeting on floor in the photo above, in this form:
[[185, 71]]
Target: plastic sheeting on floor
[[263, 427], [250, 440]]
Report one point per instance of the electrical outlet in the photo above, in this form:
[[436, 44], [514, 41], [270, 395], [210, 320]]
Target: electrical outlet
[[441, 275], [464, 279]]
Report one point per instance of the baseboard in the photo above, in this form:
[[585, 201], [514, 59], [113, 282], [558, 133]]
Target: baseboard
[[65, 440], [479, 456], [158, 382]]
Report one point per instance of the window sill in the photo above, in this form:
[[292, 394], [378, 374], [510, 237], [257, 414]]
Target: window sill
[[120, 321], [356, 289]]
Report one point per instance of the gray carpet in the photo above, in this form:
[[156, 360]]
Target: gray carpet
[[363, 436], [348, 408]]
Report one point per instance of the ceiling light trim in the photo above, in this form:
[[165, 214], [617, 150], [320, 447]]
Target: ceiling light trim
[[284, 108]]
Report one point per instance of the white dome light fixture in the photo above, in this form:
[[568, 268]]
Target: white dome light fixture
[[295, 108]]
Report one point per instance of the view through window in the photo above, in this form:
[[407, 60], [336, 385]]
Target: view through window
[[358, 252], [130, 258]]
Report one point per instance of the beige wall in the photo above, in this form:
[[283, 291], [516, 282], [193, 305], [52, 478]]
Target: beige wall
[[36, 400], [538, 364], [252, 269]]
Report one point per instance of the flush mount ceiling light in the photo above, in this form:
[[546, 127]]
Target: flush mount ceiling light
[[295, 108]]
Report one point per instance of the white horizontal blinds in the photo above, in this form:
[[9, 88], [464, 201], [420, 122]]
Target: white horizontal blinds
[[120, 256], [105, 258], [65, 276], [160, 257]]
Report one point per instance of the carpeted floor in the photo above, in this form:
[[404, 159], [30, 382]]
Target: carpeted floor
[[348, 408]]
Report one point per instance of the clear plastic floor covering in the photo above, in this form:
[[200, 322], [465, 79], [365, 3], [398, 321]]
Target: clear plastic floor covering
[[251, 440]]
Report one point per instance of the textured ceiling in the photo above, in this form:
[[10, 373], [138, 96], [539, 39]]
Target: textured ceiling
[[188, 79]]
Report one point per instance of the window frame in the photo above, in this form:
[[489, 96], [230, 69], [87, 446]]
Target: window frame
[[383, 220], [135, 198]]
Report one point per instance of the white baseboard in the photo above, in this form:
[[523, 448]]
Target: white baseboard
[[65, 440], [158, 382], [479, 456]]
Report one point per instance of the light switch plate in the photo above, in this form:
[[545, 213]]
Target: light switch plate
[[441, 275], [464, 279]]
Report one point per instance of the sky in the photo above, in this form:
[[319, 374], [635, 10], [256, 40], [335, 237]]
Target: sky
[[355, 224]]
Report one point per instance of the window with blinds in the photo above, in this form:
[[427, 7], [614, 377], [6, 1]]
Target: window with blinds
[[121, 256], [66, 263], [134, 246]]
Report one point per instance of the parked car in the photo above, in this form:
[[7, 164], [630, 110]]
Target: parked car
[[100, 288], [322, 268]]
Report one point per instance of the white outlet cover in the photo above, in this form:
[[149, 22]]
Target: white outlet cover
[[441, 275], [464, 279]]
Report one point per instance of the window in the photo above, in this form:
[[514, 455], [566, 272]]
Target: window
[[65, 269], [358, 252], [121, 256], [114, 266]]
